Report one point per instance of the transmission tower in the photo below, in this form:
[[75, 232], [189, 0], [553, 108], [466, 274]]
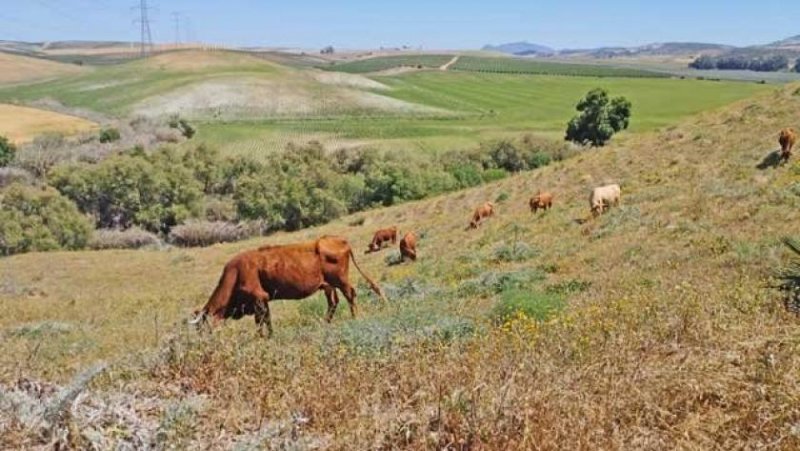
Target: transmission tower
[[146, 43], [176, 16]]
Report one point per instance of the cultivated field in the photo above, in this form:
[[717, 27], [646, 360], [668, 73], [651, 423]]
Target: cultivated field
[[652, 327], [250, 105], [22, 124], [481, 107], [22, 69]]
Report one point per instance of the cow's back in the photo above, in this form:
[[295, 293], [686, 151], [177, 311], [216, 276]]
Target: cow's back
[[290, 271]]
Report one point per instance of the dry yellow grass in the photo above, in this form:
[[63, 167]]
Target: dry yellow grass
[[677, 344], [202, 60], [22, 124], [19, 69]]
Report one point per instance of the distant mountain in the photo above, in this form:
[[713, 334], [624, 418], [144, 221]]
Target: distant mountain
[[793, 42], [520, 48], [655, 49]]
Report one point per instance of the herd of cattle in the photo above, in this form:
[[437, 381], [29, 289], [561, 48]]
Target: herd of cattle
[[295, 271]]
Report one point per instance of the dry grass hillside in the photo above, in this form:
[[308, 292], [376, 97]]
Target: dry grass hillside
[[23, 69], [669, 337], [22, 124]]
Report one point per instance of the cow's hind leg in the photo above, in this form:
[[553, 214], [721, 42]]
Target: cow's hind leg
[[350, 294], [333, 301]]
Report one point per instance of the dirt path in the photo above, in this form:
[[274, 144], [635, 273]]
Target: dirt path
[[450, 63]]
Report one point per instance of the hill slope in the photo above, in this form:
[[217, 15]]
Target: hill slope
[[669, 338], [210, 84], [19, 69]]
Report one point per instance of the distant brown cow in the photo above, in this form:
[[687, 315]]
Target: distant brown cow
[[408, 247], [484, 211], [254, 278], [382, 237], [541, 201], [787, 139]]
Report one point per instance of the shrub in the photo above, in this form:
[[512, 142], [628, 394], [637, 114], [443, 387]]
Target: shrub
[[467, 175], [599, 118], [40, 156], [516, 251], [569, 287], [393, 258], [10, 175], [508, 157], [490, 283], [154, 191], [491, 175], [35, 219], [789, 278], [205, 233], [530, 304], [185, 129], [7, 151], [133, 238], [108, 135]]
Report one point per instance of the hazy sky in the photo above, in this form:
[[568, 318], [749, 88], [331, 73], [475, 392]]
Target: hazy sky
[[427, 23]]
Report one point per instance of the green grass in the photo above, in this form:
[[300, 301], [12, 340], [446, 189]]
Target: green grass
[[533, 66], [390, 62], [545, 103], [484, 106]]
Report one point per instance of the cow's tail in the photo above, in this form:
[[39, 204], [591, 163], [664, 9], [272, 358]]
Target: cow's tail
[[221, 296], [371, 282]]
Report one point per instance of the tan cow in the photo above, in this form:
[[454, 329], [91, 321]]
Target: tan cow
[[787, 140], [541, 201], [603, 197], [481, 213], [295, 271], [408, 247]]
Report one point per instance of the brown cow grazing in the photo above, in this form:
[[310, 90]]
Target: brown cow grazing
[[295, 271], [787, 139], [541, 201], [408, 247], [484, 211], [381, 238]]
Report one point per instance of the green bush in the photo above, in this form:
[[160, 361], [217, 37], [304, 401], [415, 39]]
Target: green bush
[[7, 151], [33, 219], [516, 251], [154, 191], [108, 135], [532, 304]]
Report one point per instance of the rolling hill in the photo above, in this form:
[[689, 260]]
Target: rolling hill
[[15, 69], [211, 85], [651, 327]]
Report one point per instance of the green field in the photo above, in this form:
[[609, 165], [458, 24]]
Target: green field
[[485, 106], [389, 62], [534, 66], [502, 65]]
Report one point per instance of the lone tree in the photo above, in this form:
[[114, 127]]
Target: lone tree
[[599, 118], [7, 150]]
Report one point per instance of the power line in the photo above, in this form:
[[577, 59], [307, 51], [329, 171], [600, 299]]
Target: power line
[[176, 16], [146, 43]]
